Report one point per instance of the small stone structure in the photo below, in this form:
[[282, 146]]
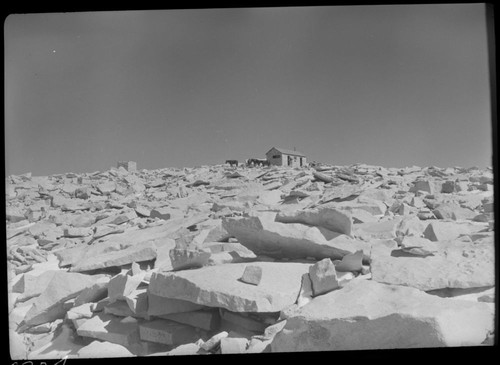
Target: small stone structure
[[130, 166]]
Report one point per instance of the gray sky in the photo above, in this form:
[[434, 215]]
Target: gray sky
[[395, 85]]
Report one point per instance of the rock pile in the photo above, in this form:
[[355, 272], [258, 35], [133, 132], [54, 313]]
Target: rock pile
[[220, 259]]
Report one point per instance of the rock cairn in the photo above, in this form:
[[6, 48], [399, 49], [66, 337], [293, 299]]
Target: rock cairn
[[221, 259]]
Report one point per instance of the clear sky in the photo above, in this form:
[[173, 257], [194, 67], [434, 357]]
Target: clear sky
[[389, 85]]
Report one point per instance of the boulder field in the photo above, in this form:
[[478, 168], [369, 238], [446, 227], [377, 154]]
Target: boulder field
[[229, 260]]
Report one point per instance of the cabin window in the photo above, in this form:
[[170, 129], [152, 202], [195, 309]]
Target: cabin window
[[276, 156]]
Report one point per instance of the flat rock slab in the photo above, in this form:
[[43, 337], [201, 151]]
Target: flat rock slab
[[453, 265], [369, 315], [264, 236], [49, 306], [218, 286]]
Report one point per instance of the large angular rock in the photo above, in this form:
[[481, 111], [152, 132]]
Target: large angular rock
[[431, 186], [49, 306], [218, 286], [325, 215], [452, 265], [293, 240], [124, 284], [453, 211], [138, 302], [33, 284], [369, 315], [323, 277]]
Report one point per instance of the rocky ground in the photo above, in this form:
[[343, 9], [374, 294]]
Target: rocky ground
[[219, 259]]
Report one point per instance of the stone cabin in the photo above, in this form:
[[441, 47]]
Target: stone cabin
[[283, 157]]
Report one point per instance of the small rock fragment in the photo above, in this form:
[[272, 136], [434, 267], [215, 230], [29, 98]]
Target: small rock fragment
[[252, 275]]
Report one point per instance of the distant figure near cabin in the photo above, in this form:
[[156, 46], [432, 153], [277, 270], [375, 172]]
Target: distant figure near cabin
[[232, 162]]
